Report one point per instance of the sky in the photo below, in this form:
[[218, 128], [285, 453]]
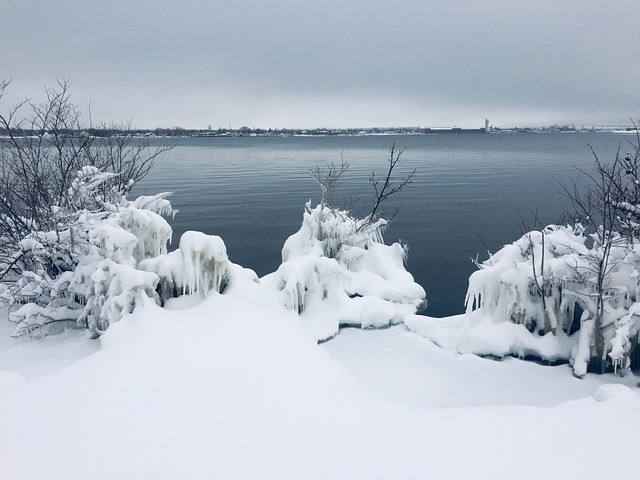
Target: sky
[[324, 63]]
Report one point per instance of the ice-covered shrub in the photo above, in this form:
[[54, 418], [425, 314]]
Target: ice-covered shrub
[[199, 265], [98, 242], [336, 270], [512, 284], [69, 238], [549, 282]]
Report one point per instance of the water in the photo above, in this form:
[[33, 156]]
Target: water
[[468, 193]]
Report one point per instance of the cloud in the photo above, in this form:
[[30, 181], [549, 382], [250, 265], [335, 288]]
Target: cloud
[[303, 63]]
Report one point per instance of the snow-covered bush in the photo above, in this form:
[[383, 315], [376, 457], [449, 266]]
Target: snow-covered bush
[[336, 271], [528, 282], [69, 239], [100, 280], [548, 282]]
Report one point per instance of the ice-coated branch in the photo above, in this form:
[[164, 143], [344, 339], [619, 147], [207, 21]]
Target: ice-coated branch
[[327, 177]]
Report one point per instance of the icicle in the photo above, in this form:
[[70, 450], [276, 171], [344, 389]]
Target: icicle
[[204, 262]]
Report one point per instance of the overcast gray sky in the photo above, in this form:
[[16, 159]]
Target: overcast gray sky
[[285, 63]]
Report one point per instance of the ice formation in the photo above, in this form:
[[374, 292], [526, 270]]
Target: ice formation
[[511, 284], [569, 301], [199, 265], [336, 271], [144, 219]]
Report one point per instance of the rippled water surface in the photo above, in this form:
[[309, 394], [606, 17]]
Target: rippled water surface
[[468, 191]]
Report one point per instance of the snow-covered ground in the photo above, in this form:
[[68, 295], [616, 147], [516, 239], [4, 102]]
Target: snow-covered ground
[[236, 387]]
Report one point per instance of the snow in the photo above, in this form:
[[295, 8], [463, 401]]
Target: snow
[[336, 271], [490, 338], [199, 264], [83, 266], [235, 386], [22, 359], [397, 364]]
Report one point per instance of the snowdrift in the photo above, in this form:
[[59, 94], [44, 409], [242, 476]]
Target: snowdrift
[[234, 386]]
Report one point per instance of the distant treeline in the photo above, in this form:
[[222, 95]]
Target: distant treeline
[[248, 131], [231, 132]]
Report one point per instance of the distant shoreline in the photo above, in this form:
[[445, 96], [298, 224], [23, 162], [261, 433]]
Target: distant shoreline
[[320, 132]]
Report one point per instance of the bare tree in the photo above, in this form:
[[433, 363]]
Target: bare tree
[[383, 189], [372, 224], [327, 177], [43, 146]]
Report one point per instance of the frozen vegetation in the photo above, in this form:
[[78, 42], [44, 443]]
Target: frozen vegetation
[[537, 297], [336, 271], [120, 359], [104, 245]]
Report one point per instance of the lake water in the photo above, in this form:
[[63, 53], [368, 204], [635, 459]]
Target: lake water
[[468, 191]]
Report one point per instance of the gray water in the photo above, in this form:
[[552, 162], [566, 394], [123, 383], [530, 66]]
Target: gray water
[[468, 193]]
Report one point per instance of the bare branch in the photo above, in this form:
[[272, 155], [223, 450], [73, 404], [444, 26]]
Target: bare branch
[[327, 177], [389, 185]]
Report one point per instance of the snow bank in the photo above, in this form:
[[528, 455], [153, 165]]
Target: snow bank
[[235, 388], [396, 363]]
